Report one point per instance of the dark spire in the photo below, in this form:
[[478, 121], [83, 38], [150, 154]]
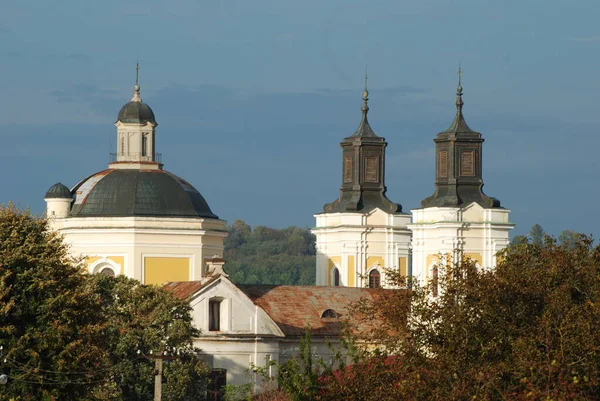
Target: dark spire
[[364, 129], [459, 124], [363, 170], [458, 175]]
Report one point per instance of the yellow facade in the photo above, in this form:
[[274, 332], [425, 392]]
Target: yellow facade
[[351, 271], [159, 270], [476, 257], [333, 261], [403, 266], [375, 260]]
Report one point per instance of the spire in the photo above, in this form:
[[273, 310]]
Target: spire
[[458, 177], [364, 129], [365, 99], [459, 124], [136, 89]]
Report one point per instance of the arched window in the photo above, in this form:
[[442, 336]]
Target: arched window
[[107, 271], [144, 145], [374, 279], [329, 314], [435, 281], [336, 277]]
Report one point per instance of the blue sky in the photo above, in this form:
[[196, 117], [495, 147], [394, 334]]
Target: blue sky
[[253, 97]]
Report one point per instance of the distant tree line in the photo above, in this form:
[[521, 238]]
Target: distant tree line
[[266, 255], [537, 236]]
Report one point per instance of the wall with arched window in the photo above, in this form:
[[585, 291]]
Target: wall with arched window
[[105, 265], [335, 277]]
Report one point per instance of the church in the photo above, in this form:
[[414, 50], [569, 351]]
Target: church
[[362, 233], [136, 219]]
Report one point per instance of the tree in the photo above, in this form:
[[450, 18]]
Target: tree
[[568, 238], [72, 336], [270, 256], [526, 330], [536, 234]]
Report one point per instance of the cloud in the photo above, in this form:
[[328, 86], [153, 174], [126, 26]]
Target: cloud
[[67, 56], [586, 39]]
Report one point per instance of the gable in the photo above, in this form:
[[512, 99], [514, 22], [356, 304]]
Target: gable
[[377, 217], [238, 314], [473, 213]]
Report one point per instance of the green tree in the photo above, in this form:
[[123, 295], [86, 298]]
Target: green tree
[[270, 256], [72, 336], [536, 234]]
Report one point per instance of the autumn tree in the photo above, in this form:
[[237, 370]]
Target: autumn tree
[[527, 330]]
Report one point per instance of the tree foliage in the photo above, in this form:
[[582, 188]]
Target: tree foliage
[[67, 335], [266, 255], [527, 330]]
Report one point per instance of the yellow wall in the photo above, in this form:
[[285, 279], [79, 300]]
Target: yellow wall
[[373, 260], [476, 257], [351, 271], [120, 260], [403, 266], [159, 270], [333, 260]]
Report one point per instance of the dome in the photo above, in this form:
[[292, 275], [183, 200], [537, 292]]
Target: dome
[[132, 192], [58, 191], [136, 112]]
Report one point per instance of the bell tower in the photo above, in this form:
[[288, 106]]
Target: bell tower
[[136, 133], [362, 232], [459, 219]]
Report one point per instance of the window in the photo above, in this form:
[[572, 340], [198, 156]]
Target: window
[[435, 281], [443, 163], [467, 165], [374, 279], [144, 145], [371, 167], [107, 271], [329, 314], [347, 169], [336, 277], [214, 315], [217, 379]]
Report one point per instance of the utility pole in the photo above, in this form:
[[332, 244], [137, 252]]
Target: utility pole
[[158, 378], [158, 370]]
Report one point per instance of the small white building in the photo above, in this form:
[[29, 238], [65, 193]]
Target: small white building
[[135, 218], [245, 325]]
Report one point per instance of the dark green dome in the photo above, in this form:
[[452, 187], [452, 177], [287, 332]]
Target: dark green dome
[[132, 192], [136, 112], [58, 191]]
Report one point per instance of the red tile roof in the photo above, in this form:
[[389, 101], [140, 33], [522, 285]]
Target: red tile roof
[[294, 308], [185, 289]]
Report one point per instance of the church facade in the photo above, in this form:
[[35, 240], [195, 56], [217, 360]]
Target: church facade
[[362, 233]]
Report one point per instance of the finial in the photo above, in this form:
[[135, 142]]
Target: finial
[[365, 96], [459, 89], [460, 72], [136, 89], [137, 74]]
